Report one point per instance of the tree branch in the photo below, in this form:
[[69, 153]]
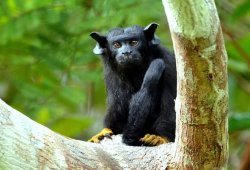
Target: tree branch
[[25, 144]]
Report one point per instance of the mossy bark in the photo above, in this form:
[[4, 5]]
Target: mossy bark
[[202, 97]]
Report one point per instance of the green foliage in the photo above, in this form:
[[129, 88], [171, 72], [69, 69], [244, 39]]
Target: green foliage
[[241, 10], [48, 70], [70, 126], [239, 121]]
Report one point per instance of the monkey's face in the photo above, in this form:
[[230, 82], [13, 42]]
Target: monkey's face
[[127, 46]]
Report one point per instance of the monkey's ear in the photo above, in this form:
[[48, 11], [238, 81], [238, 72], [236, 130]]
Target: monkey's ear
[[149, 32], [101, 43]]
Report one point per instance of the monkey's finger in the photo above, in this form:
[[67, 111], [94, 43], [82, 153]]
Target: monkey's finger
[[94, 140], [153, 140], [109, 136]]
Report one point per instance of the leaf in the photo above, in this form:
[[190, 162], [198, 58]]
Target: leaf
[[241, 10], [239, 121], [43, 115], [238, 66], [71, 125]]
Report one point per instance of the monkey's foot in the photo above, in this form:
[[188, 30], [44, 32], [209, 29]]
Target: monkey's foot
[[106, 132], [153, 140]]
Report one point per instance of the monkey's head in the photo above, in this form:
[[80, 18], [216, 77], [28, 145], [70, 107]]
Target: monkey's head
[[126, 46]]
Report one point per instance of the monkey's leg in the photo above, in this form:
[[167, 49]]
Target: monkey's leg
[[106, 132], [164, 126], [143, 104], [139, 109]]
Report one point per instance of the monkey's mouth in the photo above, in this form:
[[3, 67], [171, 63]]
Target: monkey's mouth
[[127, 57], [128, 60]]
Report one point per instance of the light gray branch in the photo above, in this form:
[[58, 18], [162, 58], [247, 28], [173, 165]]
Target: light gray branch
[[25, 144]]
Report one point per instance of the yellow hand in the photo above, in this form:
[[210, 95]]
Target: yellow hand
[[106, 132]]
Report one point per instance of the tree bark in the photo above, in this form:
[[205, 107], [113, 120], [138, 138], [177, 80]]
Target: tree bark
[[202, 97], [25, 144]]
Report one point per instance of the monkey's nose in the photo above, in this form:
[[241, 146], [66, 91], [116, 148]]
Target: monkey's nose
[[127, 53]]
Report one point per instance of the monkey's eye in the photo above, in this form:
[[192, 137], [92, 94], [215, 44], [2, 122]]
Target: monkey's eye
[[133, 42], [117, 45]]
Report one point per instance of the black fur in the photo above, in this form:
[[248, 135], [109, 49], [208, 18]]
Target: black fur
[[140, 80]]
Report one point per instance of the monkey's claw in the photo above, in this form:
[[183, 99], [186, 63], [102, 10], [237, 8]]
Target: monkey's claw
[[106, 132], [153, 140]]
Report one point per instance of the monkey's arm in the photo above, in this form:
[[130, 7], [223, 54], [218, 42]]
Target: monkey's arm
[[114, 123], [117, 111]]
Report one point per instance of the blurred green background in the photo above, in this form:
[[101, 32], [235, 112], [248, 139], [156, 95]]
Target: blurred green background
[[48, 70]]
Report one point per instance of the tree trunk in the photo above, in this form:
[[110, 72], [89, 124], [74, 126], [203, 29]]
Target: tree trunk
[[202, 97]]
